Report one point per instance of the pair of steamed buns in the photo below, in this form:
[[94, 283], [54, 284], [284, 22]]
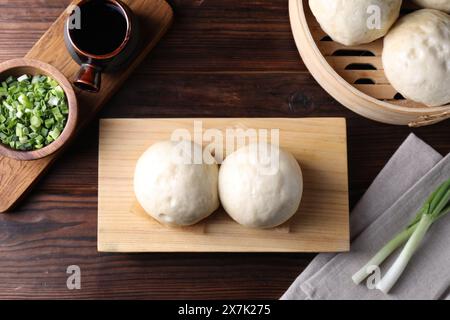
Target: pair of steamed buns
[[256, 191], [416, 51]]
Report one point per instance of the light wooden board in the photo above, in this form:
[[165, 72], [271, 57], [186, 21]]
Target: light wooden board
[[155, 17], [320, 225]]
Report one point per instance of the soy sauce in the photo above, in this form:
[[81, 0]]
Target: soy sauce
[[103, 28]]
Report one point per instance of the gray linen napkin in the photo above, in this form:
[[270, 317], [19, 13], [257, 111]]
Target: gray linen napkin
[[385, 198]]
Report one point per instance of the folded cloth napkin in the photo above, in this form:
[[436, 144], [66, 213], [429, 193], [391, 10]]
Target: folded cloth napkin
[[413, 172]]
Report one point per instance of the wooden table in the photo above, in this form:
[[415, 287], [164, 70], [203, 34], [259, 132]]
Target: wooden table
[[232, 58]]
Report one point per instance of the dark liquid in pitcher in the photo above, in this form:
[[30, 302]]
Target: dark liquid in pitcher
[[103, 28]]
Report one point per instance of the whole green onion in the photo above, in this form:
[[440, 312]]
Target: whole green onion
[[436, 206], [33, 112]]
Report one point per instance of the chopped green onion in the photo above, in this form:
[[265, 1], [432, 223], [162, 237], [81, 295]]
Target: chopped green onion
[[35, 122], [54, 133], [53, 101], [36, 79], [22, 78], [33, 111], [23, 99], [49, 123]]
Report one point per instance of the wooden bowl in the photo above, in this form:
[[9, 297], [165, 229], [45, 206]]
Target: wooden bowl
[[354, 75], [18, 67]]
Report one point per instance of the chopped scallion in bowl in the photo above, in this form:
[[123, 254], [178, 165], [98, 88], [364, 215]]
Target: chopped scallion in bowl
[[33, 112]]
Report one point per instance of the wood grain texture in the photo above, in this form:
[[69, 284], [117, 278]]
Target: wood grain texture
[[222, 59], [318, 144], [155, 17]]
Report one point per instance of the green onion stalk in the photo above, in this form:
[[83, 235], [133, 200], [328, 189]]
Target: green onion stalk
[[436, 206]]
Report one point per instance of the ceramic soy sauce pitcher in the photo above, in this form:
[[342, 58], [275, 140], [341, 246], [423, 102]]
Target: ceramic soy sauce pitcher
[[101, 36]]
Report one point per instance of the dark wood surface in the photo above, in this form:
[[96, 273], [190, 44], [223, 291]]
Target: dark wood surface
[[231, 58]]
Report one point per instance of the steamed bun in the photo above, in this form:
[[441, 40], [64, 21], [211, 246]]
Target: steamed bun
[[260, 192], [416, 57], [346, 21], [172, 190]]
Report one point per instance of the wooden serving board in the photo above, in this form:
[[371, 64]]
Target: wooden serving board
[[155, 17], [320, 225]]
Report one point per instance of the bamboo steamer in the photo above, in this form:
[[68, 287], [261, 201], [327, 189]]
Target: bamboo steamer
[[354, 75]]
